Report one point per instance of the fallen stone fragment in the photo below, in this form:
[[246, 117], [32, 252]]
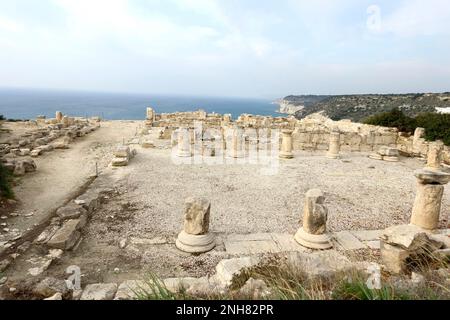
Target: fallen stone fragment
[[66, 237], [56, 296], [70, 211], [51, 286], [99, 291]]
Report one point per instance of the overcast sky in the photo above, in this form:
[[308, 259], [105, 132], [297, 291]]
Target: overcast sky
[[226, 47]]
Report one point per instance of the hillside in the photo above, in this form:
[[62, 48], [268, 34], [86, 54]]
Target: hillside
[[358, 107]]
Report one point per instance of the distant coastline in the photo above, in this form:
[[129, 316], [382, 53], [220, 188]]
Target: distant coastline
[[29, 103]]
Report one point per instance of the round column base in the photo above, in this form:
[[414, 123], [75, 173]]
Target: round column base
[[286, 155], [332, 156], [311, 241], [195, 243]]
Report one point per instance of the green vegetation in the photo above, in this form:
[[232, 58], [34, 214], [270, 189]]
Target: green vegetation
[[437, 126], [286, 282], [395, 119], [5, 180], [359, 107], [2, 117]]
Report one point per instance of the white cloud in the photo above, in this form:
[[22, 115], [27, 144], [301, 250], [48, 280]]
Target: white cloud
[[419, 18], [10, 25]]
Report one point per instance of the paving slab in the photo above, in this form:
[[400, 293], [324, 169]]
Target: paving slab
[[348, 241]]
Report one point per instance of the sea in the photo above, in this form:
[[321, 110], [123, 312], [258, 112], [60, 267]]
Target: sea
[[28, 103]]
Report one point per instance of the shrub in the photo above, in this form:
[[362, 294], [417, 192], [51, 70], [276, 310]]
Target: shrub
[[437, 126], [395, 119], [2, 117], [5, 187]]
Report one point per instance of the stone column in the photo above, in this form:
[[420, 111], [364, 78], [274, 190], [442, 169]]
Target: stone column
[[65, 121], [434, 158], [335, 145], [418, 140], [313, 234], [236, 147], [184, 146], [59, 116], [286, 145], [195, 237], [427, 205], [150, 116]]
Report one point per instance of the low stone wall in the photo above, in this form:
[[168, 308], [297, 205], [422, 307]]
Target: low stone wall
[[311, 133]]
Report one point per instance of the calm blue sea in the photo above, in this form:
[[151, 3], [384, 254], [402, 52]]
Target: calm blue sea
[[27, 104]]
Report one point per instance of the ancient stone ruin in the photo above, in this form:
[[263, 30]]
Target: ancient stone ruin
[[195, 237], [313, 234]]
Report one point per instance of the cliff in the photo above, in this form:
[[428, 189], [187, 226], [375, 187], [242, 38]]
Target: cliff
[[359, 107]]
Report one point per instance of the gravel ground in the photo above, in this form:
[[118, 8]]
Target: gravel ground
[[361, 193]]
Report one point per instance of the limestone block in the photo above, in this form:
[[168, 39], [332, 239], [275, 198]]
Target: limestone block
[[99, 291], [70, 211], [321, 264], [66, 237], [394, 258], [122, 152], [131, 289], [197, 212], [119, 162], [432, 177], [348, 241], [230, 269]]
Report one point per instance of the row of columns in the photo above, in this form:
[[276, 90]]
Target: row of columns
[[236, 150]]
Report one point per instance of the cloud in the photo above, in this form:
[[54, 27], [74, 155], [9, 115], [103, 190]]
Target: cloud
[[419, 18], [10, 25]]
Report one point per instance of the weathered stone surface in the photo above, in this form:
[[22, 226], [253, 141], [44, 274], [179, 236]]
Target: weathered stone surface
[[427, 206], [67, 236], [99, 291], [255, 289], [119, 162], [368, 235], [195, 243], [122, 152], [35, 153], [313, 233], [24, 152], [51, 286], [432, 177], [60, 145], [229, 269], [315, 213], [387, 151], [147, 144], [131, 289], [178, 284], [405, 245], [19, 169], [286, 145], [321, 263], [348, 241], [434, 157], [56, 296], [70, 211], [196, 216], [335, 145]]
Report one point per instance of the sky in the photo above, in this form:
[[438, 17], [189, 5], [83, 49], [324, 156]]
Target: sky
[[248, 48]]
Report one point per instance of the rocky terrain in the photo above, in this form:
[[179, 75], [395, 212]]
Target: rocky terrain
[[359, 107]]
